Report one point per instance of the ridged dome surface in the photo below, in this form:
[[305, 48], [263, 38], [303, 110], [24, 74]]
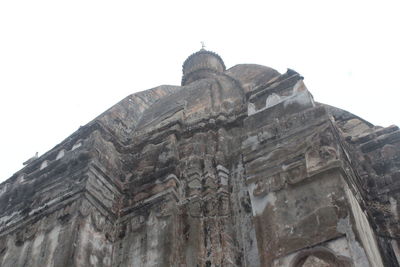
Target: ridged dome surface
[[199, 64]]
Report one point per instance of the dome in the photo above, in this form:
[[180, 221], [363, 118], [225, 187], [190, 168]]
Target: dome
[[252, 75], [200, 65]]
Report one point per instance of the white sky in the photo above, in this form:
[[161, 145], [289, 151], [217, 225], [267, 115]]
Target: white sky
[[62, 63]]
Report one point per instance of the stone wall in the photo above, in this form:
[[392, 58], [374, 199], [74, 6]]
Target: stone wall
[[236, 168]]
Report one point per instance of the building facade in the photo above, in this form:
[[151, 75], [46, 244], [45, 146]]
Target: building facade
[[237, 167]]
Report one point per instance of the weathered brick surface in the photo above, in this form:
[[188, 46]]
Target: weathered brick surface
[[237, 167]]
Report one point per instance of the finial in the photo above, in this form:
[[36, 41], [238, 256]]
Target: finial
[[203, 46]]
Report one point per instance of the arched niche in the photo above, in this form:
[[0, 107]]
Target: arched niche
[[44, 164], [321, 257], [76, 145], [21, 177], [60, 154]]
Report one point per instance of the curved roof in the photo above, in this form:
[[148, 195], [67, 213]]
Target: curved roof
[[202, 57], [252, 75], [201, 63]]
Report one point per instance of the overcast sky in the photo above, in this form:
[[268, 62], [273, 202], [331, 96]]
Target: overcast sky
[[62, 63]]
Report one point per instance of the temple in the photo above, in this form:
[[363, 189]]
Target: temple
[[235, 167]]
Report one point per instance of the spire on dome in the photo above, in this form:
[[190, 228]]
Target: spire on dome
[[203, 46]]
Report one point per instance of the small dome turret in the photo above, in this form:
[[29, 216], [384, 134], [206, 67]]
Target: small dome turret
[[201, 64]]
